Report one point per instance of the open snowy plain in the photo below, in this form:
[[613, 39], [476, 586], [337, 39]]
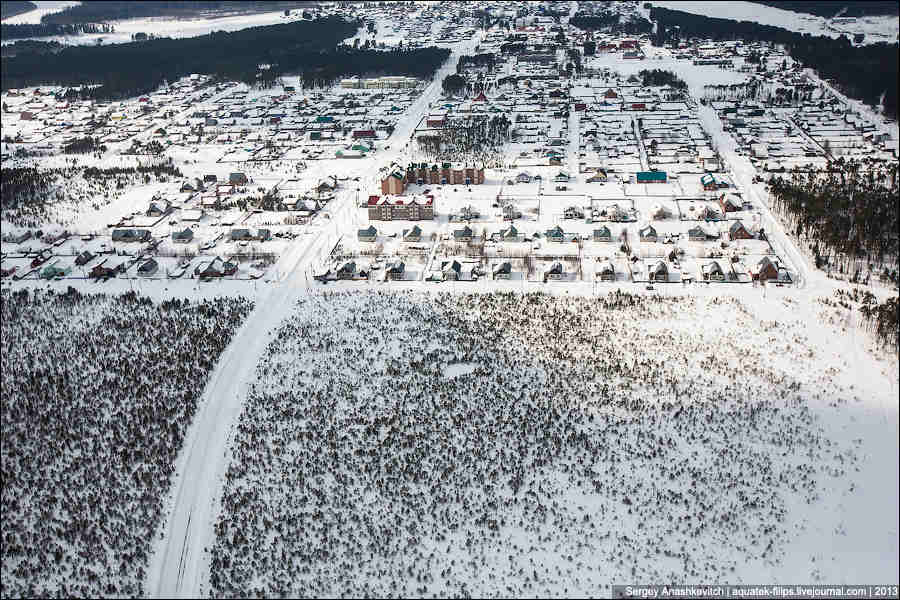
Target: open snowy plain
[[533, 445]]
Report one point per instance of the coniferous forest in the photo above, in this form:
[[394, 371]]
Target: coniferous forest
[[829, 8], [15, 7], [863, 72], [93, 12], [307, 48], [848, 214], [32, 30]]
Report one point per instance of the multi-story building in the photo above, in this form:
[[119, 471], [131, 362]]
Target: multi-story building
[[401, 208]]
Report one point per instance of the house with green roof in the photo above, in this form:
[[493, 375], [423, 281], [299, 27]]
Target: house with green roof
[[651, 177]]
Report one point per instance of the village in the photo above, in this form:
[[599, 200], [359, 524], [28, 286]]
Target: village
[[532, 326], [601, 177]]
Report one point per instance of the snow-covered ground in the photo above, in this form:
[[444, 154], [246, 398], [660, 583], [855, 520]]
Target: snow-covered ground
[[44, 7], [594, 442], [712, 330], [877, 29], [166, 26]]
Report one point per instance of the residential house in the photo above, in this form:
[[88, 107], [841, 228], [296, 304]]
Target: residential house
[[215, 268], [737, 231], [523, 177], [412, 235], [347, 270], [502, 271], [396, 270], [157, 209], [148, 268], [450, 270], [394, 184], [660, 212], [648, 234], [556, 234], [602, 234], [562, 177], [606, 271], [555, 272], [130, 235], [369, 234], [107, 269], [84, 258], [510, 234], [730, 203], [771, 270], [712, 271], [237, 179], [651, 177], [183, 237], [659, 272], [701, 234], [573, 212], [708, 181], [462, 235]]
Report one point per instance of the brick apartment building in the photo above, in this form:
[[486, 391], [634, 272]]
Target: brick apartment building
[[401, 208]]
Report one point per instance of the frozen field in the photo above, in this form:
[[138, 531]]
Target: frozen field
[[531, 445], [876, 28]]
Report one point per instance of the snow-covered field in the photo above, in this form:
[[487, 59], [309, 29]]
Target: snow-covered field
[[876, 28], [43, 8], [158, 26], [531, 445], [98, 391]]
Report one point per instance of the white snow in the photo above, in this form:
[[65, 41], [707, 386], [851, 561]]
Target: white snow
[[44, 7], [877, 29]]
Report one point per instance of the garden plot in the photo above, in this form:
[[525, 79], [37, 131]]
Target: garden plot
[[97, 394], [504, 444]]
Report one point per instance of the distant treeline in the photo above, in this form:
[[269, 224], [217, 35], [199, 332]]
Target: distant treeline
[[610, 21], [11, 9], [862, 72], [88, 12], [857, 8], [307, 48], [33, 30], [29, 46]]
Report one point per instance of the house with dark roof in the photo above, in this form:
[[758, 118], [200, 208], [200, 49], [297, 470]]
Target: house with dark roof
[[648, 234], [412, 235], [148, 268], [183, 237], [556, 234], [659, 272], [84, 258], [450, 270], [396, 270], [369, 234], [603, 234], [347, 270], [462, 235], [606, 271], [555, 272], [712, 271], [737, 231], [503, 271], [130, 235]]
